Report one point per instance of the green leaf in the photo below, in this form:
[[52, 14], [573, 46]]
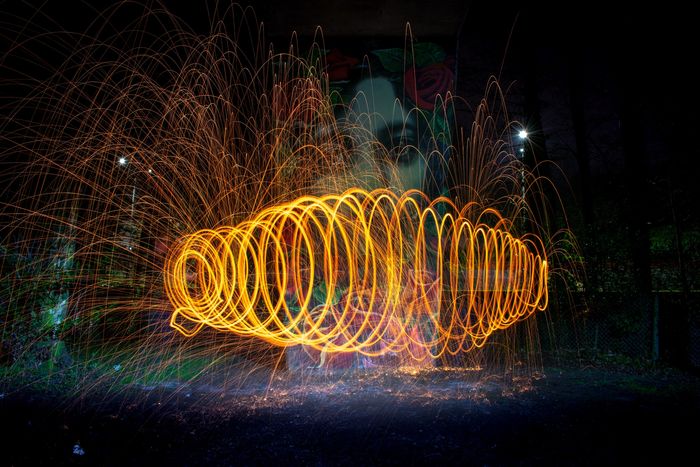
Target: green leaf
[[320, 292], [424, 53], [392, 59], [427, 53], [440, 128]]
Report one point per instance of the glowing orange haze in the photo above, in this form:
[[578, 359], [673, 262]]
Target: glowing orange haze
[[412, 272]]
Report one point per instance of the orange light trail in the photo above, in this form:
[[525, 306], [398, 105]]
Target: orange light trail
[[415, 273]]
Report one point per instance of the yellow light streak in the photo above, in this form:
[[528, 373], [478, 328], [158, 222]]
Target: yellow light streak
[[415, 275]]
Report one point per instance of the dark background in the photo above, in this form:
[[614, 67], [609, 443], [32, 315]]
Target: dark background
[[606, 92]]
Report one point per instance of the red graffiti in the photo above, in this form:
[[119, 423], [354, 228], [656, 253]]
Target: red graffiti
[[423, 84]]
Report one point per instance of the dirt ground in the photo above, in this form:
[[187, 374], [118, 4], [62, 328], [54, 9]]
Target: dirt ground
[[581, 416]]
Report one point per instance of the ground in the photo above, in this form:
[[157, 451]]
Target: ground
[[572, 416]]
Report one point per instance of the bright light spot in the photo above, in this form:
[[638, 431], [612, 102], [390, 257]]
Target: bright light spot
[[77, 450], [522, 134], [150, 171], [522, 150], [122, 161]]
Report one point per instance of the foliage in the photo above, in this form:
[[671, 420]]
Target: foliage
[[35, 284]]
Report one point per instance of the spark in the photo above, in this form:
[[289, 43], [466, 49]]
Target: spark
[[244, 208]]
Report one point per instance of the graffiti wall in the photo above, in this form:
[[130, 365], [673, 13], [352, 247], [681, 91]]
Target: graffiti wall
[[397, 99]]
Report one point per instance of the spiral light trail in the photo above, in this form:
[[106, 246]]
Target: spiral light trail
[[162, 182], [411, 272]]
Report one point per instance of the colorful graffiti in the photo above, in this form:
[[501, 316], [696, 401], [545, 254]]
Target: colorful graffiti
[[395, 98]]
